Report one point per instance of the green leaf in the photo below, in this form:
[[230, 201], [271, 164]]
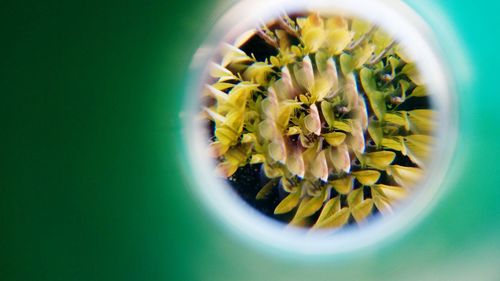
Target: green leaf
[[376, 133], [362, 54], [346, 64], [328, 113], [288, 203], [294, 130], [343, 125], [375, 97]]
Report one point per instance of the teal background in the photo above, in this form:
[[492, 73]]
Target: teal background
[[91, 186]]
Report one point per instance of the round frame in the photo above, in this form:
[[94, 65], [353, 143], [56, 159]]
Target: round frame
[[246, 222]]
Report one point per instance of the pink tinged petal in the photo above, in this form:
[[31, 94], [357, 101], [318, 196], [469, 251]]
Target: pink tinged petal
[[308, 70], [332, 74], [277, 150], [357, 139], [312, 121], [304, 74], [271, 103], [319, 167], [286, 77], [351, 91], [295, 162], [362, 113], [340, 158], [267, 129]]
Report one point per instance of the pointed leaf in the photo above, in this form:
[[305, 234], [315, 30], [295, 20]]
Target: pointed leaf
[[392, 193], [331, 207], [266, 189], [309, 206], [362, 210], [418, 148], [422, 121], [335, 220], [413, 73], [343, 185], [335, 138], [288, 203], [405, 176], [347, 63], [419, 91], [392, 144], [379, 160], [367, 177], [355, 198], [376, 133], [328, 113], [257, 159], [375, 97]]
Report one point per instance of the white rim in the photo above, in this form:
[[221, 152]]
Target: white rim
[[254, 227]]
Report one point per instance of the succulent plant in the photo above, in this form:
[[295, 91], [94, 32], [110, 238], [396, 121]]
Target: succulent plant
[[332, 109]]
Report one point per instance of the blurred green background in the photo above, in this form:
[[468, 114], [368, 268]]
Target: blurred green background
[[91, 186]]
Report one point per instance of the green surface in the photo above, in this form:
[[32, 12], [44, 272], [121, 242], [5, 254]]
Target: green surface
[[91, 185]]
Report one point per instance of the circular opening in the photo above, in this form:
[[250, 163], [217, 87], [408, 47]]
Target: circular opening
[[318, 126]]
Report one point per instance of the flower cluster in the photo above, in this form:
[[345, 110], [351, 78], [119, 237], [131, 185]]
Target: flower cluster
[[338, 117]]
